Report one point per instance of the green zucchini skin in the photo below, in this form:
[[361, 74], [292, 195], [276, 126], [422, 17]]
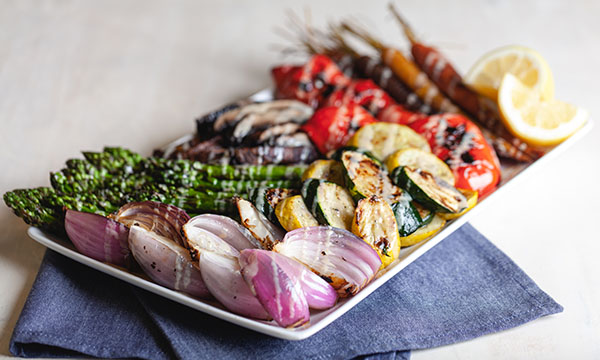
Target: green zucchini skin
[[309, 194], [366, 177], [425, 214], [328, 211], [337, 155], [429, 189], [407, 217], [265, 199]]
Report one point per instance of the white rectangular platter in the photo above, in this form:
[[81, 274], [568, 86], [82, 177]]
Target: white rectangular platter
[[512, 174]]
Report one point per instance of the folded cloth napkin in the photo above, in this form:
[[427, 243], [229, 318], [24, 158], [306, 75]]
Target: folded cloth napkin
[[462, 288]]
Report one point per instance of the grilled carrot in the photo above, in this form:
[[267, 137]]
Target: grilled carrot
[[408, 72], [368, 67], [441, 72]]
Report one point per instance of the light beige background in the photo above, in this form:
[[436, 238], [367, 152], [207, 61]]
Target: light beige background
[[78, 75]]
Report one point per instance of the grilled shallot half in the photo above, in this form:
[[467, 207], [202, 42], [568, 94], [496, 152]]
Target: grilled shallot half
[[166, 262], [199, 240], [98, 237], [337, 255], [319, 294], [224, 280], [165, 220], [224, 227], [279, 293], [219, 265]]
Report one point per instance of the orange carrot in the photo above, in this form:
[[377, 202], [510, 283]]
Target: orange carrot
[[444, 75], [408, 72]]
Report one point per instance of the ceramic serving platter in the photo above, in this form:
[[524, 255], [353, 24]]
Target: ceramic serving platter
[[511, 174]]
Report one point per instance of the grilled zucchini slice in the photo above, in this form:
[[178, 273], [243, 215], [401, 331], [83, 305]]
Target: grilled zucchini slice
[[266, 199], [471, 202], [407, 217], [293, 213], [424, 232], [383, 139], [329, 170], [419, 159], [337, 155], [434, 194], [375, 223], [365, 178], [330, 203], [426, 214]]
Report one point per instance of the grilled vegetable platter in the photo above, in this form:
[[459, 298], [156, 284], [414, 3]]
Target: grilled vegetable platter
[[280, 209]]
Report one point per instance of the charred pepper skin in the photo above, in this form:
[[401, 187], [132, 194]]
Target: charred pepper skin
[[331, 127], [310, 83], [363, 92]]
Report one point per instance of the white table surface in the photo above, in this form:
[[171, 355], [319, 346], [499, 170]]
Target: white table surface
[[78, 75]]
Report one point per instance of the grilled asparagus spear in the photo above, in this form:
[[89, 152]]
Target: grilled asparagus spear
[[104, 181]]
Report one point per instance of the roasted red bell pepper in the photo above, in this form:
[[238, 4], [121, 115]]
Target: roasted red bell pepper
[[331, 127], [310, 83], [362, 92], [458, 142]]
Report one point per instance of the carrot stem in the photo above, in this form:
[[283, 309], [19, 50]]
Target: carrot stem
[[337, 37], [364, 35], [407, 29]]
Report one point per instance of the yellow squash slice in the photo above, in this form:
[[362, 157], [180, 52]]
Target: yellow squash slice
[[375, 223], [292, 213], [383, 139], [329, 170], [471, 196], [425, 232]]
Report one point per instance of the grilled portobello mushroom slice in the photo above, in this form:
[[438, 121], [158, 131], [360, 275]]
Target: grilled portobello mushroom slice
[[206, 151], [295, 140], [205, 125], [261, 116], [262, 155]]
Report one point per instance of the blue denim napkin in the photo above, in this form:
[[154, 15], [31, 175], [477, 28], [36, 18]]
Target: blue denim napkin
[[463, 288]]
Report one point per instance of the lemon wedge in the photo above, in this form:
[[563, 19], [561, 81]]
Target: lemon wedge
[[538, 122], [526, 64]]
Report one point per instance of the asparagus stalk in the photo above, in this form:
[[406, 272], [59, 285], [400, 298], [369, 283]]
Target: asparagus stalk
[[28, 204], [238, 186], [191, 200], [104, 181], [182, 168], [115, 159]]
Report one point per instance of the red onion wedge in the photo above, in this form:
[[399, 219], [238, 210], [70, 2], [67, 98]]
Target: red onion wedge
[[165, 220], [226, 228], [260, 227], [199, 240], [337, 255], [166, 262], [223, 278], [319, 294], [98, 237], [281, 296]]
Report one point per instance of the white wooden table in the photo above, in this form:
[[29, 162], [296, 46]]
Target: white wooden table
[[78, 75]]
